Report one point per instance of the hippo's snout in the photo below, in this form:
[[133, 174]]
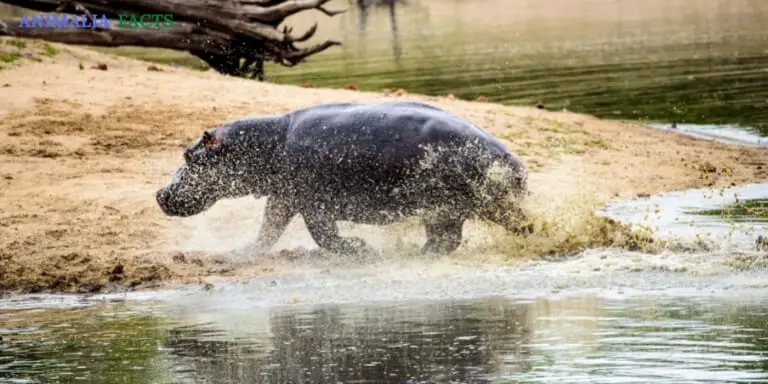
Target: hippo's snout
[[162, 197], [170, 205], [173, 203]]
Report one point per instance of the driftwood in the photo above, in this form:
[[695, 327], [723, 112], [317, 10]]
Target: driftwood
[[234, 37]]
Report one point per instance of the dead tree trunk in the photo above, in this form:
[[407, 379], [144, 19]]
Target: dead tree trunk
[[234, 37]]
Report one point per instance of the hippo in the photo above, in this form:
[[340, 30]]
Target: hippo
[[363, 163]]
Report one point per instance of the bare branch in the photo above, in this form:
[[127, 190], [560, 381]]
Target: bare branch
[[304, 37], [290, 7], [331, 12], [296, 57]]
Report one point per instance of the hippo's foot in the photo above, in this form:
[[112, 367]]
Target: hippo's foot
[[440, 247], [326, 234]]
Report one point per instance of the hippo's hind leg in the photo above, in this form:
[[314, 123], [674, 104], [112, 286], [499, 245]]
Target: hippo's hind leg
[[325, 233], [444, 233]]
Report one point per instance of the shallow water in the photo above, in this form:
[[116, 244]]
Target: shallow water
[[727, 134], [604, 316], [722, 217]]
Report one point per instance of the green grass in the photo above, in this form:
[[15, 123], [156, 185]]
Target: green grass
[[49, 50], [752, 210], [9, 57], [597, 142], [18, 43]]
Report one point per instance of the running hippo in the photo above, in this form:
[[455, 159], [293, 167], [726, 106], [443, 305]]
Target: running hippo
[[364, 163]]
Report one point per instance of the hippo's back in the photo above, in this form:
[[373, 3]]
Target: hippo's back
[[384, 133]]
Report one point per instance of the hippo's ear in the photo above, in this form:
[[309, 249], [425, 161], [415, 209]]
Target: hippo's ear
[[209, 141]]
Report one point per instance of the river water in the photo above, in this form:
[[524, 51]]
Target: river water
[[696, 62], [603, 316], [613, 337]]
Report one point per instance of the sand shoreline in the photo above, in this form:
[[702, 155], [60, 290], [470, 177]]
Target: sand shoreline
[[84, 150]]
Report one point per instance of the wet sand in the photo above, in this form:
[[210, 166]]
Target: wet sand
[[84, 150]]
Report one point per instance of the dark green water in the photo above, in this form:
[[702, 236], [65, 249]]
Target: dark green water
[[578, 339], [703, 62]]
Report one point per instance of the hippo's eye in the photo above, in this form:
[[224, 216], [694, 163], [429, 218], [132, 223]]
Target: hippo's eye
[[176, 176]]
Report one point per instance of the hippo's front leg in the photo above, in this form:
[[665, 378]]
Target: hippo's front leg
[[277, 215], [444, 232], [326, 234]]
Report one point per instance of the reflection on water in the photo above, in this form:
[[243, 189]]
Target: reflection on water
[[675, 61], [427, 343], [577, 339]]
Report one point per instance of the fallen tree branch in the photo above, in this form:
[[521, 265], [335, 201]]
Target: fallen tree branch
[[230, 36], [183, 37]]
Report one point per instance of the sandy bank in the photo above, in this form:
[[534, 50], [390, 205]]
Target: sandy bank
[[83, 151]]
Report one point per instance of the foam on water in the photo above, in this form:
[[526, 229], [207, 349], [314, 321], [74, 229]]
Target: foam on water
[[592, 272]]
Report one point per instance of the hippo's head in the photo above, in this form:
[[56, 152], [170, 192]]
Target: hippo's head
[[208, 175]]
